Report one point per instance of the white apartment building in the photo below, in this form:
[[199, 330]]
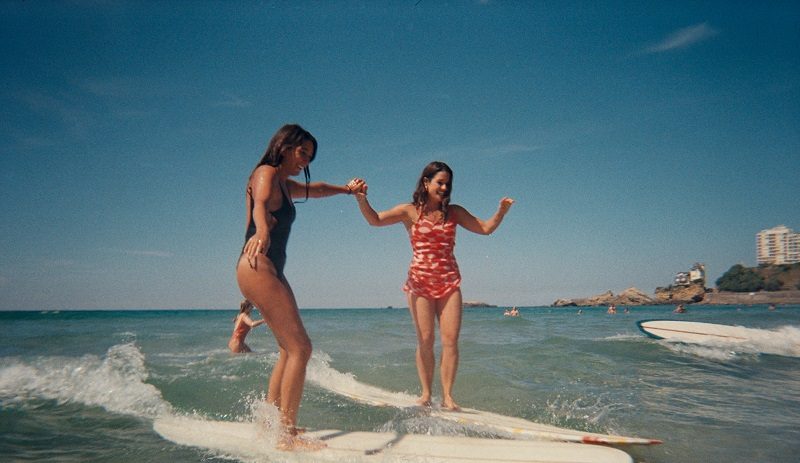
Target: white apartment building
[[779, 245]]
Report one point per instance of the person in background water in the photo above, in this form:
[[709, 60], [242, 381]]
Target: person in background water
[[433, 284], [270, 213], [242, 323], [512, 312]]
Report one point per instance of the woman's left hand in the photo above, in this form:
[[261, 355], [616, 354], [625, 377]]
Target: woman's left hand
[[356, 185], [505, 204]]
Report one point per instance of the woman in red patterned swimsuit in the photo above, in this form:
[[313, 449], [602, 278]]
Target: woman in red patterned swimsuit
[[433, 284]]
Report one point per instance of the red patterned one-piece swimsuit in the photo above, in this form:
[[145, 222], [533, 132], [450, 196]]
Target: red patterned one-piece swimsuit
[[433, 273]]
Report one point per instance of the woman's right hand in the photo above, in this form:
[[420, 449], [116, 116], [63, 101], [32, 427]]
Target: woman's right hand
[[361, 192], [254, 246], [258, 243], [357, 186]]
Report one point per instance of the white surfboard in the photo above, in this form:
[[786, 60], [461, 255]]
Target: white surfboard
[[696, 332], [517, 428], [245, 441]]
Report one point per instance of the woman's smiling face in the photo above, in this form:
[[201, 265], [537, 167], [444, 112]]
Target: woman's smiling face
[[299, 158], [439, 186]]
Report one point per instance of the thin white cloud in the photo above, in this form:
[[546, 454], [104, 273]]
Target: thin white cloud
[[233, 101], [683, 38], [74, 119], [512, 149], [488, 150], [27, 143], [136, 252], [113, 88]]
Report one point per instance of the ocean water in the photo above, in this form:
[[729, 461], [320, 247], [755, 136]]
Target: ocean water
[[81, 386]]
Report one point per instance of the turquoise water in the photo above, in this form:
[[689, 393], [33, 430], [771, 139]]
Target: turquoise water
[[86, 386]]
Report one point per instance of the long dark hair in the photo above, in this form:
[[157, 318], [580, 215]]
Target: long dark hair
[[287, 138], [244, 306], [420, 196]]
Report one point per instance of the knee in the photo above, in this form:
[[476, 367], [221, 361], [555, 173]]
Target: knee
[[450, 343], [425, 342], [301, 349]]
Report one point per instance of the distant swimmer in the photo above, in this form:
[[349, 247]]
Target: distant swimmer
[[513, 312], [612, 309], [679, 309], [433, 287], [242, 324]]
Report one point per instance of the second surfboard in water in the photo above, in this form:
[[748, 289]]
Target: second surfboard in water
[[516, 427]]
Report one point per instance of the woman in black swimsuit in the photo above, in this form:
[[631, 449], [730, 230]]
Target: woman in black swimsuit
[[270, 212]]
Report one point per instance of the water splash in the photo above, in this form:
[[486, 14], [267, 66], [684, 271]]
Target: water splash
[[784, 341], [115, 382], [320, 373]]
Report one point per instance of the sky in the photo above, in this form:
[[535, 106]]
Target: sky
[[637, 138]]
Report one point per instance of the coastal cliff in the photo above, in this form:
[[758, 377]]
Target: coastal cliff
[[472, 304], [765, 284], [693, 293], [631, 296]]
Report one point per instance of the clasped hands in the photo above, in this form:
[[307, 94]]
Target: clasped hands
[[357, 186]]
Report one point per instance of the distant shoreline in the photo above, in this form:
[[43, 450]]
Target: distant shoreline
[[761, 297], [790, 297]]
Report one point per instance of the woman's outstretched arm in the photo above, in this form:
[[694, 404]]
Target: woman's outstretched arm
[[397, 214], [322, 189], [482, 227]]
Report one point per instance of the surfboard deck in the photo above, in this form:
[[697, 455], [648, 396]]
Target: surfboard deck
[[694, 332], [246, 441], [517, 428]]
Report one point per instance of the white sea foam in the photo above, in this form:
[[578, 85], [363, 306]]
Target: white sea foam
[[115, 382], [320, 372], [783, 341]]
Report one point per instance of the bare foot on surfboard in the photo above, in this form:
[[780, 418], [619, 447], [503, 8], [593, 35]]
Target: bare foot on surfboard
[[296, 442], [450, 405]]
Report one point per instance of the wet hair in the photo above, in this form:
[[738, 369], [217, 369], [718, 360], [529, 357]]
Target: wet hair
[[244, 306], [287, 138], [420, 196]]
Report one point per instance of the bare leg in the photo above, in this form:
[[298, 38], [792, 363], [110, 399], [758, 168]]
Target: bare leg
[[448, 310], [423, 314], [238, 347], [276, 303], [274, 387]]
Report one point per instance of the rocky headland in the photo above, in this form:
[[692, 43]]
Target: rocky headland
[[765, 284], [630, 296], [469, 304], [691, 294]]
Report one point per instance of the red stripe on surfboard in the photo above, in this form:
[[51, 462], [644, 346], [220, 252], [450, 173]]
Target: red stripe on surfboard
[[606, 441]]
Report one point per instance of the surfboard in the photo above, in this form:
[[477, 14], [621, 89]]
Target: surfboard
[[517, 428], [246, 441], [695, 332]]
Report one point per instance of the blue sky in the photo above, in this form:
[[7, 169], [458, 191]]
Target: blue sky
[[637, 139]]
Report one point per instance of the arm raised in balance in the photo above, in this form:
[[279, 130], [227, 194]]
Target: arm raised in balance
[[476, 225], [400, 213]]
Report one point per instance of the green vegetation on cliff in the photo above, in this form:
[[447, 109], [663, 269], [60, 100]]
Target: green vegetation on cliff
[[743, 279]]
